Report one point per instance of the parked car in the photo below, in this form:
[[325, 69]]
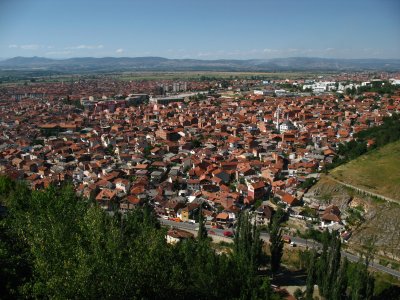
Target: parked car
[[228, 233], [211, 232], [286, 239]]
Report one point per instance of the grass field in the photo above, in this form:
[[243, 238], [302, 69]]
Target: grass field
[[11, 77], [196, 75], [377, 171]]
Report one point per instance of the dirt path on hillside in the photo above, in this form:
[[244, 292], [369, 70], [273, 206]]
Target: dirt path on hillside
[[364, 191]]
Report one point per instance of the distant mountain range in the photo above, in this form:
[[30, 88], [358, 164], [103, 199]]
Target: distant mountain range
[[115, 64]]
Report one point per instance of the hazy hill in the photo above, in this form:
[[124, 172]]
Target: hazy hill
[[91, 64]]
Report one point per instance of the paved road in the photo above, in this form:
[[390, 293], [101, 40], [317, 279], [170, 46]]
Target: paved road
[[265, 237], [192, 227]]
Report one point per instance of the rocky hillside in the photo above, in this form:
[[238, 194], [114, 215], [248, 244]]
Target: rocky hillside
[[378, 221]]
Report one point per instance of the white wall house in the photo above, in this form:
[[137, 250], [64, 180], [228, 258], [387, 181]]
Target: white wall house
[[286, 126]]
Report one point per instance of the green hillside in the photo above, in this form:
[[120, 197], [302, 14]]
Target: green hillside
[[377, 171]]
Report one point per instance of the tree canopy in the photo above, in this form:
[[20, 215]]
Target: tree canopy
[[381, 135], [57, 245]]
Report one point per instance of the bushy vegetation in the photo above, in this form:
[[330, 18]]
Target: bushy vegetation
[[336, 277], [276, 242], [312, 234], [379, 87], [55, 245], [382, 135], [387, 133], [309, 182]]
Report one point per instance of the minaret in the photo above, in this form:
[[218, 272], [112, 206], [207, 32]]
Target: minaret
[[277, 117]]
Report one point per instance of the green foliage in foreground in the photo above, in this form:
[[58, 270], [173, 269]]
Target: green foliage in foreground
[[55, 245], [276, 242], [336, 277]]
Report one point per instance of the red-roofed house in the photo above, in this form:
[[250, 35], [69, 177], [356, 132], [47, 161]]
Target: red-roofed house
[[105, 197], [256, 190], [330, 216]]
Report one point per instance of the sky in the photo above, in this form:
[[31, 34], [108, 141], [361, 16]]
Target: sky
[[200, 29]]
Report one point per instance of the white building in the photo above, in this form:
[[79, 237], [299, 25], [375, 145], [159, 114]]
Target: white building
[[394, 81], [321, 86], [260, 92], [280, 92], [286, 126], [176, 235]]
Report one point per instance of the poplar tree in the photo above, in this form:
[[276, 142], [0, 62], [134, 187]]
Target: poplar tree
[[311, 277], [276, 244], [322, 264], [334, 256], [202, 231], [339, 291], [247, 254]]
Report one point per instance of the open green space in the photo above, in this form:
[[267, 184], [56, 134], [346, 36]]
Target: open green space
[[21, 76], [377, 171], [208, 75]]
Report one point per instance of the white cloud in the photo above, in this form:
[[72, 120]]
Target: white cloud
[[30, 47], [56, 53], [26, 47], [205, 54], [120, 50], [86, 47], [267, 50]]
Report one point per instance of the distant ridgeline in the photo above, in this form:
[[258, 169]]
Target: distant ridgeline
[[368, 139]]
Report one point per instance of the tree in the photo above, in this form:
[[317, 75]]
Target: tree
[[322, 263], [54, 244], [309, 182], [339, 291], [311, 277], [362, 283], [247, 254], [202, 232], [196, 143], [333, 265], [6, 186], [109, 150], [276, 243], [278, 217], [147, 151], [328, 264], [266, 292], [298, 294], [334, 274], [15, 269]]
